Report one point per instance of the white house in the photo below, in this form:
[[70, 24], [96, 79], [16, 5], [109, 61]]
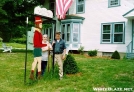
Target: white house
[[105, 25]]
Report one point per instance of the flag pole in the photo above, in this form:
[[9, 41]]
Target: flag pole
[[48, 55], [26, 51]]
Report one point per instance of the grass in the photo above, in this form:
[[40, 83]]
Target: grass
[[94, 72], [14, 45]]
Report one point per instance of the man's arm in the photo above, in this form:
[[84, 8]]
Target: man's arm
[[64, 52], [47, 49], [44, 49]]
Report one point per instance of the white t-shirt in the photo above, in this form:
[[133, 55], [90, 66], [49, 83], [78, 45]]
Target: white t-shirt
[[58, 40], [45, 54]]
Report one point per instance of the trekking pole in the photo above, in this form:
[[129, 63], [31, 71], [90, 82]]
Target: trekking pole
[[48, 56]]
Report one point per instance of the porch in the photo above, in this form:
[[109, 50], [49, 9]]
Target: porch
[[130, 47]]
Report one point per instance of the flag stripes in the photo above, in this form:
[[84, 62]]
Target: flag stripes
[[62, 7]]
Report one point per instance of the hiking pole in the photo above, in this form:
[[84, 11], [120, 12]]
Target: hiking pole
[[26, 52], [54, 47]]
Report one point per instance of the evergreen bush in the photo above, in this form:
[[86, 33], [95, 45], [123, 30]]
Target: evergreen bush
[[115, 55], [70, 65]]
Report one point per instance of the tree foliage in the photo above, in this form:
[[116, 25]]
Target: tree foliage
[[13, 15]]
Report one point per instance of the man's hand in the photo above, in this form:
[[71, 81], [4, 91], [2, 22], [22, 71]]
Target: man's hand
[[49, 48], [43, 49], [63, 57], [53, 43]]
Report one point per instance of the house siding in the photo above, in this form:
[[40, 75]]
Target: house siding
[[131, 1], [97, 12]]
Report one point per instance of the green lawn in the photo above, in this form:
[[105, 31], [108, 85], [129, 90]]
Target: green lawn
[[94, 72], [14, 45]]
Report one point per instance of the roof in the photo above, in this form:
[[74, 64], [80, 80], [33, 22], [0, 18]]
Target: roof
[[72, 16], [129, 14]]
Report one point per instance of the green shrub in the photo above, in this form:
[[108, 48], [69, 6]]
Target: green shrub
[[81, 50], [124, 57], [1, 39], [70, 65], [18, 40], [115, 55], [92, 53]]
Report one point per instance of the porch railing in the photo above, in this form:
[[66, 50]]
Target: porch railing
[[129, 50], [129, 47]]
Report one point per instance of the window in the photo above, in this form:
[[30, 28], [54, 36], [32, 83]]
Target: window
[[75, 32], [65, 31], [113, 3], [50, 33], [118, 32], [68, 32], [71, 32], [106, 33], [52, 6], [80, 7], [67, 13], [112, 33]]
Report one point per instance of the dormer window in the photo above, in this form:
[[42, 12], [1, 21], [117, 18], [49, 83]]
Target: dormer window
[[52, 6], [113, 3]]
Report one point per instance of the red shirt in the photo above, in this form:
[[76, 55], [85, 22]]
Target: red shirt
[[37, 40]]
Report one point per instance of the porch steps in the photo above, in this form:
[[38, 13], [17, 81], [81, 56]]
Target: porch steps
[[130, 55]]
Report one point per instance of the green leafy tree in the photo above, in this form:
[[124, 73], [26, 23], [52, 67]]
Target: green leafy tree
[[13, 14]]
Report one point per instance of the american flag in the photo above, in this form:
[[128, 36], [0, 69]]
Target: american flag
[[62, 7]]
